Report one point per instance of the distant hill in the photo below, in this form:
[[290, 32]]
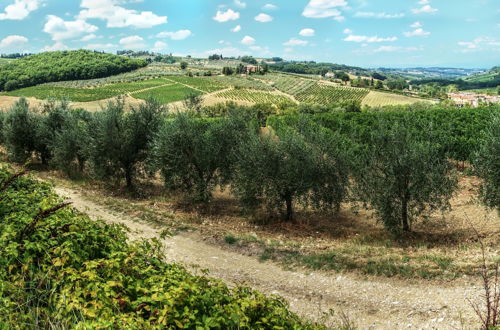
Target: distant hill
[[63, 65], [485, 76], [431, 73]]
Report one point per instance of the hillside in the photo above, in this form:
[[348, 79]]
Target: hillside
[[63, 65]]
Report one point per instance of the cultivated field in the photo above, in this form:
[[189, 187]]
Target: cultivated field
[[379, 99]]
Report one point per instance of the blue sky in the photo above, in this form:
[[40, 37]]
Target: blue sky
[[368, 33]]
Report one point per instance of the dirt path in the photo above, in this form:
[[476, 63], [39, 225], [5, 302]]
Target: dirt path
[[370, 303]]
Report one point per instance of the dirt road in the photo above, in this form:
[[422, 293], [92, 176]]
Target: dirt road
[[370, 303]]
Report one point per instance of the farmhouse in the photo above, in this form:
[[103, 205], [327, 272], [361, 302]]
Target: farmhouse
[[472, 99], [251, 69]]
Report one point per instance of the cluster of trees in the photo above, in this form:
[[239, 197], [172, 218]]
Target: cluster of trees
[[313, 68], [241, 69], [169, 59], [15, 55], [460, 83], [249, 60], [215, 57], [63, 65], [398, 164]]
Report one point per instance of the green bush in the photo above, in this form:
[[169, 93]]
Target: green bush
[[404, 174], [195, 155], [20, 131], [119, 140], [487, 164], [63, 270], [70, 143], [291, 168]]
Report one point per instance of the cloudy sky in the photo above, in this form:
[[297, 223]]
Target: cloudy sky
[[369, 33]]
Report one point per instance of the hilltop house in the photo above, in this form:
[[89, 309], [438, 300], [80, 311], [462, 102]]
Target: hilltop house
[[251, 69]]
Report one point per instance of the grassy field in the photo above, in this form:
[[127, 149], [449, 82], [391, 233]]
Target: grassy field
[[168, 94], [240, 82], [44, 92], [325, 94], [378, 99], [205, 85], [252, 96]]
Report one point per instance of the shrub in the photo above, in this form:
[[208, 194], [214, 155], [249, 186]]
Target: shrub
[[20, 129], [67, 271], [120, 140], [280, 171], [404, 174], [71, 142], [487, 164], [194, 155]]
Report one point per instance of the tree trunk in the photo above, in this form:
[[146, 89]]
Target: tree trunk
[[404, 215], [289, 209], [128, 177]]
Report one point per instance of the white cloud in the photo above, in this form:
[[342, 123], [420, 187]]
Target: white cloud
[[347, 31], [427, 9], [355, 38], [226, 52], [324, 9], [117, 16], [416, 25], [60, 29], [269, 6], [237, 28], [159, 46], [296, 42], [88, 37], [307, 32], [20, 9], [57, 46], [390, 49], [423, 2], [365, 14], [13, 41], [417, 33], [263, 18], [108, 46], [240, 3], [261, 50], [178, 35], [479, 44], [247, 40], [225, 16], [132, 42]]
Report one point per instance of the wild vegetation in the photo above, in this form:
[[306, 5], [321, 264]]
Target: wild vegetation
[[61, 269], [63, 65]]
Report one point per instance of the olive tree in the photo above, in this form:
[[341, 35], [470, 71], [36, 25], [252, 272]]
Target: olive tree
[[194, 155], [70, 143], [282, 171], [404, 174], [119, 140], [50, 122], [20, 129], [487, 164]]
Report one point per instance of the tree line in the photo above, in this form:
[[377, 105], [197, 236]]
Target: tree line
[[398, 168], [63, 65]]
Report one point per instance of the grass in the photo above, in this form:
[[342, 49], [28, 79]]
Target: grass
[[204, 85], [168, 94], [230, 239], [252, 96], [44, 92], [379, 99]]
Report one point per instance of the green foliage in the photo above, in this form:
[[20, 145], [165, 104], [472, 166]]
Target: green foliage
[[2, 120], [183, 65], [194, 155], [487, 164], [70, 144], [167, 94], [459, 131], [20, 132], [70, 272], [63, 65], [404, 175], [325, 94], [280, 171], [119, 140]]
